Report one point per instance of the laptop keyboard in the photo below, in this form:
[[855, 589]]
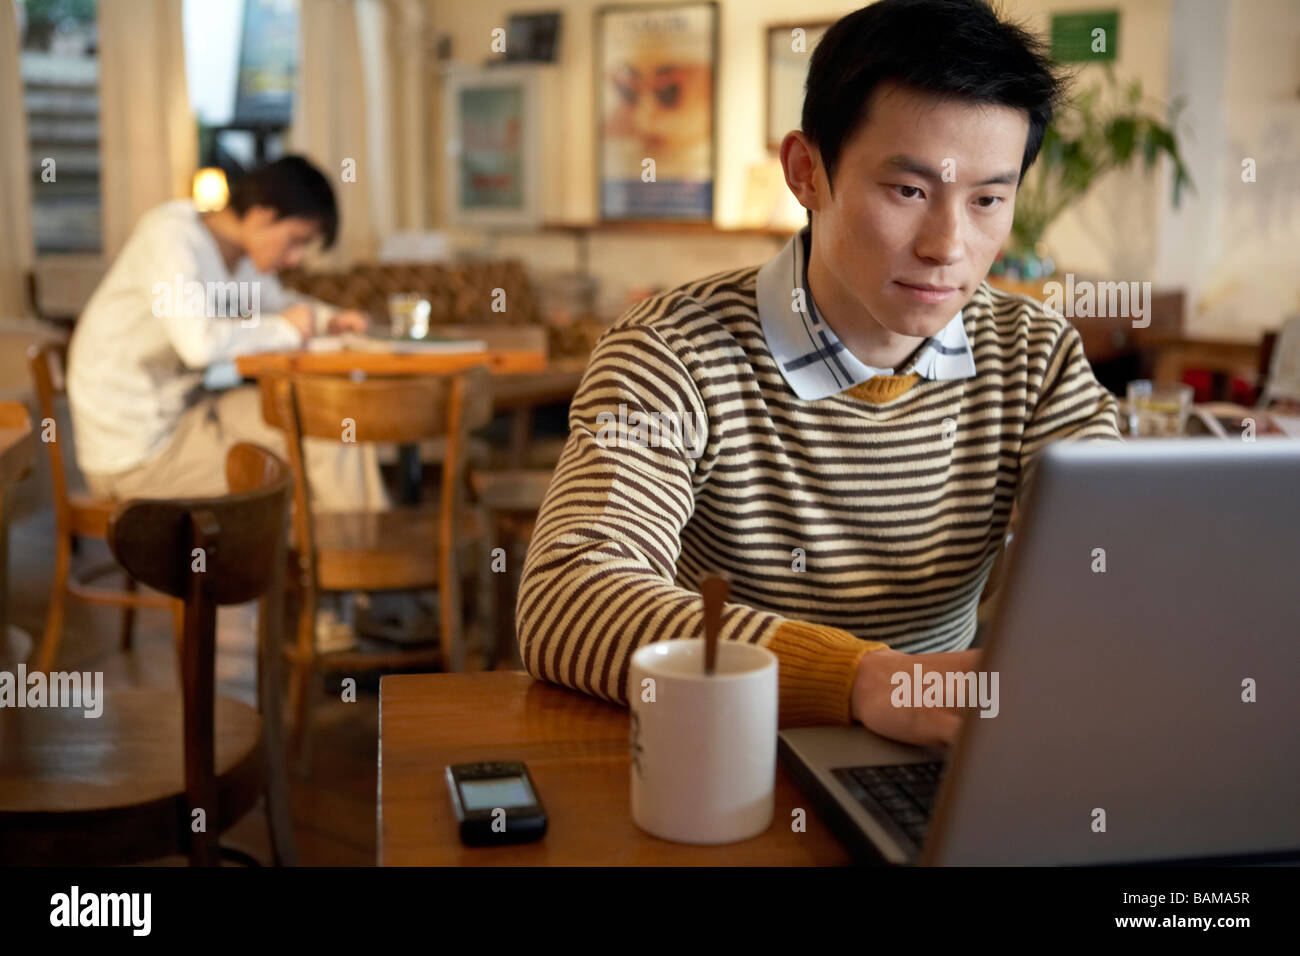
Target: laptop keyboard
[[903, 793]]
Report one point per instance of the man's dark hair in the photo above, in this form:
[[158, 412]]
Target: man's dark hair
[[956, 49], [291, 186]]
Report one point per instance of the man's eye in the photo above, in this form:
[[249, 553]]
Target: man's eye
[[996, 201], [902, 191]]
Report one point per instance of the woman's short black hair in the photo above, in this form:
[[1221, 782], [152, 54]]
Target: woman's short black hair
[[955, 49], [291, 186]]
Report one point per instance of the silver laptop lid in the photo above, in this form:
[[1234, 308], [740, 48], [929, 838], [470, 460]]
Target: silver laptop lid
[[1148, 650]]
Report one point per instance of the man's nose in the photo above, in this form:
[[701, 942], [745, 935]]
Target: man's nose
[[940, 237]]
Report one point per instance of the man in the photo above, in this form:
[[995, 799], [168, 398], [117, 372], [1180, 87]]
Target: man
[[845, 430], [187, 291]]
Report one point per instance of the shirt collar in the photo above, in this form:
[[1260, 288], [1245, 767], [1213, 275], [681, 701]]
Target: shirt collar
[[813, 360]]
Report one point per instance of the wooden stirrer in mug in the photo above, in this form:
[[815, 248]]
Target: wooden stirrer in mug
[[715, 589]]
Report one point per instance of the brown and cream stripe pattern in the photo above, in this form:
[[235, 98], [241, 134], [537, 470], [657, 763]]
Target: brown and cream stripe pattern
[[860, 514]]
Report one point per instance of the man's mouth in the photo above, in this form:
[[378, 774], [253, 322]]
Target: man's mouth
[[927, 292]]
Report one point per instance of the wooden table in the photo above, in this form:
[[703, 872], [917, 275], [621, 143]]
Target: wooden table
[[576, 748], [17, 452], [498, 360]]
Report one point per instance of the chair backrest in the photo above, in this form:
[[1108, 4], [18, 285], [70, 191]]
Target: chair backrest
[[46, 363], [210, 552], [405, 410], [1284, 367]]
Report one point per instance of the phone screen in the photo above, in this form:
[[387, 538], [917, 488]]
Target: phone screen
[[503, 792]]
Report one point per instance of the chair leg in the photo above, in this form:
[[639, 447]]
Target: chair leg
[[451, 615], [178, 637], [128, 614], [58, 595], [279, 820], [488, 598], [300, 681]]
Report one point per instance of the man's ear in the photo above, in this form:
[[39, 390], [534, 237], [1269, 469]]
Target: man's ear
[[800, 161]]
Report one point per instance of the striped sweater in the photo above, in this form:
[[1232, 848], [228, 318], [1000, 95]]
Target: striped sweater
[[867, 519]]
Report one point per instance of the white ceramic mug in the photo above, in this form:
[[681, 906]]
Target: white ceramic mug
[[703, 748]]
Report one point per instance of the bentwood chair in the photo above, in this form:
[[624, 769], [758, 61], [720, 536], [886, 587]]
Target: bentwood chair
[[406, 549], [512, 500], [159, 772], [17, 452], [79, 515]]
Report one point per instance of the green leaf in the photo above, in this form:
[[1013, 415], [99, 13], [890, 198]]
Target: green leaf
[[1120, 133]]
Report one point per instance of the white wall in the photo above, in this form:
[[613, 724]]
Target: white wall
[[1252, 278]]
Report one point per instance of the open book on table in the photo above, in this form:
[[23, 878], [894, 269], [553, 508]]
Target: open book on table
[[354, 342]]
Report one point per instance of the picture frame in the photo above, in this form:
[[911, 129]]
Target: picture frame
[[656, 83], [786, 71], [533, 37], [491, 117]]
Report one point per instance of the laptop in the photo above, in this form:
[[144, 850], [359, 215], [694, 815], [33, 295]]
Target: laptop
[[1147, 713]]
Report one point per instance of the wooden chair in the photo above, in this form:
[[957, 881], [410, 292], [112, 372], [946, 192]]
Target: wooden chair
[[124, 787], [407, 548], [17, 452], [80, 515], [512, 500]]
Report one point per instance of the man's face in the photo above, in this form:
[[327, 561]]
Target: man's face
[[277, 244], [924, 194]]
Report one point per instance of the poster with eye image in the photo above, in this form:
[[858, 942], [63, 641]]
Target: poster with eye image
[[656, 89]]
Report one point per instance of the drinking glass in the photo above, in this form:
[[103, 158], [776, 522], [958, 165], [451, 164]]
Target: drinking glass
[[409, 315], [1158, 411]]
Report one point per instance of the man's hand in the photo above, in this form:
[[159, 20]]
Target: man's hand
[[300, 316], [927, 726], [351, 320]]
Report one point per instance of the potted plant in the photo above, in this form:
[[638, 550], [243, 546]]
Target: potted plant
[[1099, 130]]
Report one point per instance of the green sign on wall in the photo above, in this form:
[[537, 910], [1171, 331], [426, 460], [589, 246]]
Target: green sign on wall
[[1085, 37]]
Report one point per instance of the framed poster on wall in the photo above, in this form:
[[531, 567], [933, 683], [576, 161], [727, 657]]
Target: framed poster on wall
[[656, 88], [789, 51], [491, 132]]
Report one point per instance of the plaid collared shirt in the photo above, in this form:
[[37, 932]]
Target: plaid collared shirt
[[815, 363]]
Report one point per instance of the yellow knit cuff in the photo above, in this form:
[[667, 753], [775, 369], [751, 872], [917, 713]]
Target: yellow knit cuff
[[817, 668]]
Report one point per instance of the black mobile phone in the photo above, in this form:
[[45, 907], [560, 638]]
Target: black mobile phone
[[496, 803]]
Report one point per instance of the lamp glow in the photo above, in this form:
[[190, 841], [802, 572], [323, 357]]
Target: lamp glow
[[210, 189]]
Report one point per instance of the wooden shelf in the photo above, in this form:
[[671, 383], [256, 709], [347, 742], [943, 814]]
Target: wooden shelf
[[665, 228]]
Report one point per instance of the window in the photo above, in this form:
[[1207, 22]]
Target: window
[[60, 74], [241, 65]]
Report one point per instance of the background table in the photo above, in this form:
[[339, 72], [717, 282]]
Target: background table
[[576, 748], [498, 360]]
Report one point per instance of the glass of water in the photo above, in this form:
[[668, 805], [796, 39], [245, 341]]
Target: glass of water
[[1158, 411], [409, 315]]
